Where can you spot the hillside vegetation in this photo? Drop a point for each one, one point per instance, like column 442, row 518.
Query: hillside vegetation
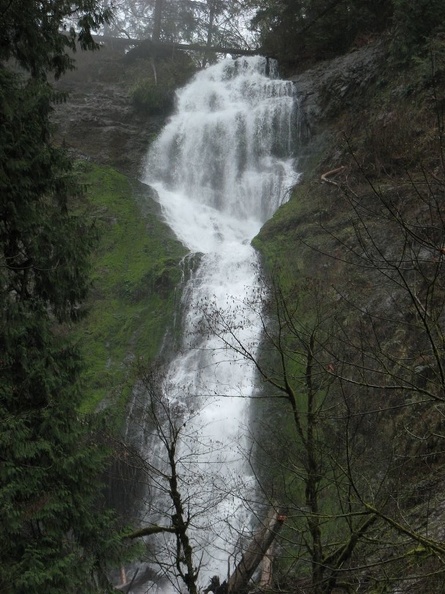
column 355, row 341
column 349, row 439
column 135, row 277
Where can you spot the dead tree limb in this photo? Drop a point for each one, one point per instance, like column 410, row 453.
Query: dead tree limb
column 149, row 530
column 256, row 550
column 325, row 176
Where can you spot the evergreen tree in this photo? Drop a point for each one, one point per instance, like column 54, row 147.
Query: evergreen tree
column 313, row 29
column 415, row 23
column 54, row 536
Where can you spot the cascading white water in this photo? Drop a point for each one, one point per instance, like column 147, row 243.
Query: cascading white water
column 221, row 167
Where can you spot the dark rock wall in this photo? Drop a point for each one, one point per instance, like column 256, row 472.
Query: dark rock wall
column 98, row 121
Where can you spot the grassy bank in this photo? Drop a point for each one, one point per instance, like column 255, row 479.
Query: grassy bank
column 135, row 277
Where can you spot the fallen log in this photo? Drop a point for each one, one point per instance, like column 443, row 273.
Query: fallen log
column 334, row 172
column 156, row 48
column 266, row 569
column 258, row 548
column 196, row 47
column 255, row 551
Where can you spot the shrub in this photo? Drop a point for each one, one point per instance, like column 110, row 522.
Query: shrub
column 149, row 97
column 155, row 93
column 414, row 24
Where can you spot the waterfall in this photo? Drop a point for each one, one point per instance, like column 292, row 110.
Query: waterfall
column 221, row 167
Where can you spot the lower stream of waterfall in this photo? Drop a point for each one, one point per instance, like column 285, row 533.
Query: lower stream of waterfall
column 221, row 167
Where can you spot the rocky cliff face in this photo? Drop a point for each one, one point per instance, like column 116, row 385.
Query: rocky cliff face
column 335, row 84
column 98, row 120
column 136, row 263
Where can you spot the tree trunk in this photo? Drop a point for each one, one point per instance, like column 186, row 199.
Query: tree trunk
column 211, row 5
column 266, row 569
column 157, row 20
column 255, row 552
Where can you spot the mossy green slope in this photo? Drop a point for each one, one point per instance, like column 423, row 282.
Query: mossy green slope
column 344, row 232
column 136, row 272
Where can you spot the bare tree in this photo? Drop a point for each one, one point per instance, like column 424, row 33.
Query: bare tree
column 394, row 348
column 168, row 509
column 202, row 22
column 339, row 462
column 188, row 503
column 349, row 416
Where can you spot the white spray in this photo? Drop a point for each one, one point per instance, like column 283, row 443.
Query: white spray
column 221, row 167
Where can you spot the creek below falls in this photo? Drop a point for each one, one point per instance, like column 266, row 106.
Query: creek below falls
column 222, row 165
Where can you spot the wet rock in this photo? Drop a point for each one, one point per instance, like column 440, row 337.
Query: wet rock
column 326, row 87
column 98, row 120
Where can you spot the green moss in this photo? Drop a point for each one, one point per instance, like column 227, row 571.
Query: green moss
column 386, row 150
column 295, row 244
column 135, row 275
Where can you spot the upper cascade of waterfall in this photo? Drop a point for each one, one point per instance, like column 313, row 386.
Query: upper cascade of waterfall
column 229, row 148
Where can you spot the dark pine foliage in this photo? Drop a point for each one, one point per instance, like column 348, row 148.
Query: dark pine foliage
column 298, row 31
column 54, row 535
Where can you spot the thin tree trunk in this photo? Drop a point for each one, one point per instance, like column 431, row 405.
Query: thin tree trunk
column 313, row 475
column 157, row 20
column 184, row 548
column 211, row 5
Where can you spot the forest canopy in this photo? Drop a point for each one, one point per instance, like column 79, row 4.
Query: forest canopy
column 292, row 31
column 320, row 29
